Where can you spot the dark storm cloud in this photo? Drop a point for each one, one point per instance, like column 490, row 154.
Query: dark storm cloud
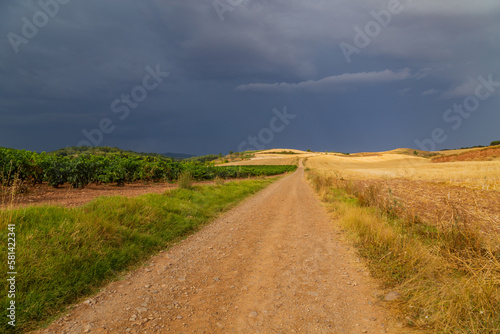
column 90, row 53
column 334, row 83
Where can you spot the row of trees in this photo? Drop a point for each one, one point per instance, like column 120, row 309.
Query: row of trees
column 81, row 170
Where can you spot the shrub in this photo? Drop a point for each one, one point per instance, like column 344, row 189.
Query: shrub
column 185, row 180
column 219, row 181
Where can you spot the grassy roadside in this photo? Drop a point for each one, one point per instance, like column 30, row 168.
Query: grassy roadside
column 64, row 254
column 447, row 273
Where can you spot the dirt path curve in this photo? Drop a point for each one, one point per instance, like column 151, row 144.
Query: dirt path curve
column 272, row 265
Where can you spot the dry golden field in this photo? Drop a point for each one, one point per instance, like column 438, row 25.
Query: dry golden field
column 268, row 158
column 436, row 192
column 394, row 164
column 481, row 175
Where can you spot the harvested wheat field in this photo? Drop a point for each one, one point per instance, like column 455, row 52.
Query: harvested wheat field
column 435, row 192
column 274, row 157
column 482, row 175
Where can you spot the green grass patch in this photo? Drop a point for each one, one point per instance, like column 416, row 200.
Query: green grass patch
column 65, row 254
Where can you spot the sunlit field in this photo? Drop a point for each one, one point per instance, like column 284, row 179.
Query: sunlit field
column 484, row 175
column 273, row 157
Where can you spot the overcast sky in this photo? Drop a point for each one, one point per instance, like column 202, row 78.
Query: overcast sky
column 198, row 76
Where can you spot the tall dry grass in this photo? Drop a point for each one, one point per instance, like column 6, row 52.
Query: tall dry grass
column 447, row 272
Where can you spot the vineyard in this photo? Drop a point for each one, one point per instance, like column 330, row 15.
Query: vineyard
column 82, row 170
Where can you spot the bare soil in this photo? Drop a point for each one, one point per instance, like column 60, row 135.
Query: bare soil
column 66, row 196
column 70, row 197
column 274, row 264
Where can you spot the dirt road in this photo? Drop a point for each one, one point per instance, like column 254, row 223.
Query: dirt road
column 272, row 265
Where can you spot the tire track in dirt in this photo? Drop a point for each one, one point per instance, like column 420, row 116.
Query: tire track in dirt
column 274, row 264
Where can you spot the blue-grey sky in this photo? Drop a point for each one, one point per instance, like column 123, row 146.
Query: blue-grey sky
column 205, row 76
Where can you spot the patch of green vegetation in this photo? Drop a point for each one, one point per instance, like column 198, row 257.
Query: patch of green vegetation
column 82, row 170
column 418, row 153
column 114, row 151
column 280, row 152
column 206, row 158
column 185, row 180
column 246, row 155
column 65, row 254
